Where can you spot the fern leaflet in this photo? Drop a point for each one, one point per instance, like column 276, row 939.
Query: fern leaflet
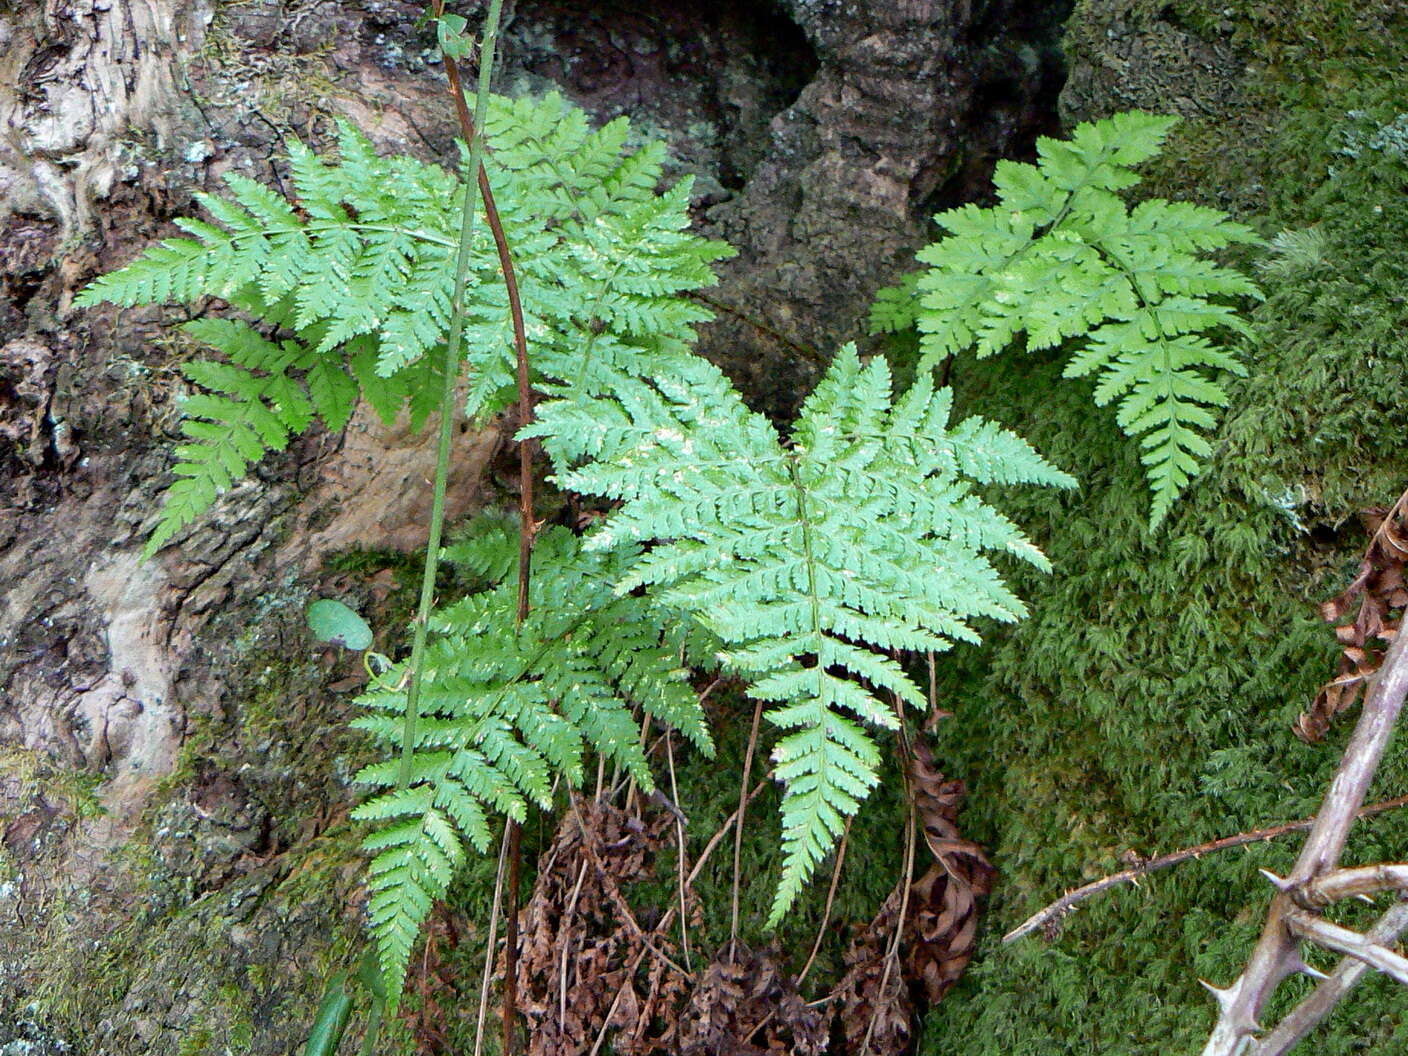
column 1062, row 258
column 506, row 708
column 252, row 404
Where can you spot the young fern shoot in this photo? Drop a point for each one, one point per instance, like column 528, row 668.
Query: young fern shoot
column 1062, row 258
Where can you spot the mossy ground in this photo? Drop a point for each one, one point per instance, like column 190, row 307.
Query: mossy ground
column 1146, row 704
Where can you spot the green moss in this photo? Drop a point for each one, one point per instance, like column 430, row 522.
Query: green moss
column 1147, row 702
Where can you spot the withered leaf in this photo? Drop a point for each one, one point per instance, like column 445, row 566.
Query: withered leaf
column 1378, row 590
column 582, row 966
column 745, row 1005
column 940, row 927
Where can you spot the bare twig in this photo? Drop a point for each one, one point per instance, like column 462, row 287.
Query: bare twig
column 892, row 954
column 566, row 929
column 743, row 799
column 512, row 837
column 723, row 831
column 1332, row 937
column 1063, row 905
column 830, row 904
column 1302, row 1019
column 1276, row 955
column 807, row 352
column 489, row 948
column 683, row 860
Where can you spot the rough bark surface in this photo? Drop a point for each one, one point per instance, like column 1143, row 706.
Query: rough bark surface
column 176, row 868
column 910, row 100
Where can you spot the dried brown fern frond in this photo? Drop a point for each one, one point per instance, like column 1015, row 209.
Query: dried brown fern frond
column 940, row 926
column 1378, row 589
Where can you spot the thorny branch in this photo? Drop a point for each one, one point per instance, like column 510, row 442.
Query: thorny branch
column 1302, row 1019
column 1352, row 883
column 1317, row 880
column 1050, row 916
column 1350, row 943
column 1277, row 952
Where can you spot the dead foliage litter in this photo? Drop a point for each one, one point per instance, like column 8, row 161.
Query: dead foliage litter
column 940, row 925
column 746, row 1005
column 585, row 965
column 590, row 974
column 1379, row 590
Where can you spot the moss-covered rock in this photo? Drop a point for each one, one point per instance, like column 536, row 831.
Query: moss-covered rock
column 1147, row 703
column 215, row 926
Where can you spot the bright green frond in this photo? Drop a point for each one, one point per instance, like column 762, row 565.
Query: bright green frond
column 811, row 562
column 1061, row 260
column 359, row 262
column 505, row 708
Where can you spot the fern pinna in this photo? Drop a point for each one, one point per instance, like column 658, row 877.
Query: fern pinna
column 358, row 267
column 505, row 710
column 1062, row 258
column 814, row 561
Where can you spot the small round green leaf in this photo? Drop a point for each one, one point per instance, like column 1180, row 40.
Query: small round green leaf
column 453, row 40
column 333, row 622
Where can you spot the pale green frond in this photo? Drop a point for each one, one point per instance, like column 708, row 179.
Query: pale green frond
column 810, row 561
column 359, row 262
column 1063, row 261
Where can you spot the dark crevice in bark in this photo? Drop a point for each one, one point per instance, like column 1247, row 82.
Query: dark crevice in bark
column 1016, row 71
column 711, row 77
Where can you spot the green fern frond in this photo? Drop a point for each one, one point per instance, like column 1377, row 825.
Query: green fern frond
column 896, row 307
column 810, row 562
column 504, row 710
column 249, row 406
column 1062, row 259
column 357, row 263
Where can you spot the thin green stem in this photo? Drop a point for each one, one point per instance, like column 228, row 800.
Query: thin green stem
column 447, row 396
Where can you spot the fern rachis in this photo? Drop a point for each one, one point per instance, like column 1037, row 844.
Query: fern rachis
column 505, row 709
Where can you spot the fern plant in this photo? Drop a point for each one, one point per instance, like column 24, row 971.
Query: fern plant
column 506, row 710
column 806, row 566
column 814, row 562
column 1062, row 258
column 358, row 267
